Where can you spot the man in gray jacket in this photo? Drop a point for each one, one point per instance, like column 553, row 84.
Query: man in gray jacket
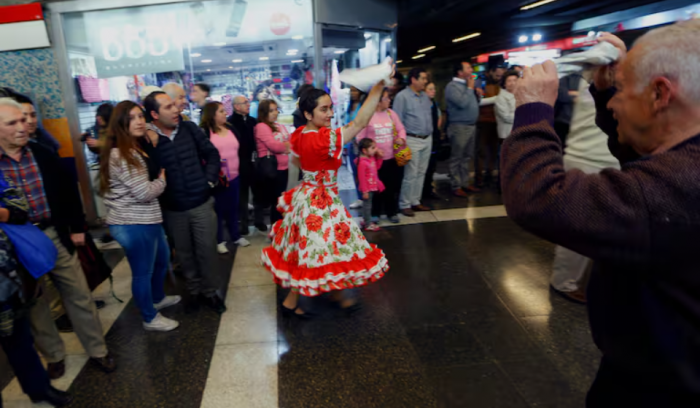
column 462, row 113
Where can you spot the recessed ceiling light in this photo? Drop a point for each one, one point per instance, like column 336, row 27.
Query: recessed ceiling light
column 418, row 56
column 537, row 4
column 206, row 61
column 237, row 60
column 297, row 61
column 466, row 37
column 230, row 67
column 387, row 40
column 399, row 61
column 522, row 39
column 340, row 52
column 432, row 47
column 292, row 51
column 195, row 55
column 537, row 37
column 208, row 70
column 219, row 44
column 264, row 58
column 297, row 37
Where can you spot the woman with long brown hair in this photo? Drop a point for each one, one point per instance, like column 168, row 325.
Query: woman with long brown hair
column 272, row 140
column 226, row 199
column 131, row 182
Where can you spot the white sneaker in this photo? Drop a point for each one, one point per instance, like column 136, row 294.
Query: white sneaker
column 167, row 302
column 242, row 242
column 161, row 323
column 221, row 248
column 357, row 204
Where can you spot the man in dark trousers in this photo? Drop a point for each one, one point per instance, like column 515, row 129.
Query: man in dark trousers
column 192, row 166
column 639, row 224
column 244, row 127
column 55, row 208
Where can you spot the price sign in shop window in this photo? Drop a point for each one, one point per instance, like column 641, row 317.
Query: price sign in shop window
column 134, row 41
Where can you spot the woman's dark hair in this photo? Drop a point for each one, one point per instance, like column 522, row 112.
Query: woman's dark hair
column 264, row 113
column 303, row 88
column 309, row 100
column 365, row 143
column 507, row 75
column 118, row 137
column 208, row 122
column 104, row 111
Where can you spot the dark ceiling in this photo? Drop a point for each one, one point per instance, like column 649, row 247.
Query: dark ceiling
column 424, row 23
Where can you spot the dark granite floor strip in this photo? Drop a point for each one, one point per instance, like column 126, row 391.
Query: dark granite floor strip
column 156, row 369
column 463, row 319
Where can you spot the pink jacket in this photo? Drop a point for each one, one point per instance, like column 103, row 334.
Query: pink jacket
column 381, row 130
column 367, row 174
column 266, row 141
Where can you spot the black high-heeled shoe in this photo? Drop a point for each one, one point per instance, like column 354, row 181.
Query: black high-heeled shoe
column 288, row 313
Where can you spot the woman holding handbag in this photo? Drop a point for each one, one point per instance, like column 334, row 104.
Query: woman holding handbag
column 272, row 164
column 227, row 195
column 388, row 132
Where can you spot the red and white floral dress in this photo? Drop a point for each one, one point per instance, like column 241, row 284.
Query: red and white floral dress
column 317, row 247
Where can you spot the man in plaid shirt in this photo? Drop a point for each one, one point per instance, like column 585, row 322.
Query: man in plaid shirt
column 54, row 207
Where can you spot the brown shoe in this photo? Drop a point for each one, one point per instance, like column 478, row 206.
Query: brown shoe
column 460, row 193
column 421, row 207
column 105, row 363
column 472, row 189
column 408, row 212
column 56, row 370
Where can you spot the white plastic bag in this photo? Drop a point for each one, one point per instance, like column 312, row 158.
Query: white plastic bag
column 365, row 78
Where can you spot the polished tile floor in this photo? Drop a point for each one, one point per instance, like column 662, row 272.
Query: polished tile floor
column 464, row 318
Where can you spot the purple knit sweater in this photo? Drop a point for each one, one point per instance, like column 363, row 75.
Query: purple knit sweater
column 641, row 226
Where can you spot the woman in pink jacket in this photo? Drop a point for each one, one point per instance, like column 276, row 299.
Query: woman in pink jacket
column 385, row 128
column 271, row 138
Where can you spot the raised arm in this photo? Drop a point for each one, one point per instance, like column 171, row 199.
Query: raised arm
column 365, row 114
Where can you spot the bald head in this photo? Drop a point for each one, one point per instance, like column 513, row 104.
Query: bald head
column 177, row 94
column 241, row 105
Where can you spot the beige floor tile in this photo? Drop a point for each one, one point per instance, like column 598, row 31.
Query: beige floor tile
column 470, row 213
column 253, row 327
column 242, row 376
column 250, row 276
column 251, row 299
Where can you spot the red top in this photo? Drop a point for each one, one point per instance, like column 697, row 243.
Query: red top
column 318, row 150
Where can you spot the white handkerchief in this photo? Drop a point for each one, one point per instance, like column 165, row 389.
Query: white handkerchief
column 365, row 78
column 602, row 53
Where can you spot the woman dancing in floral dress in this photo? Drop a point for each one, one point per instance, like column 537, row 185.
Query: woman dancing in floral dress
column 317, row 247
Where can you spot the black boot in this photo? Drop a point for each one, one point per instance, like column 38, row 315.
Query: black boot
column 214, row 302
column 55, row 397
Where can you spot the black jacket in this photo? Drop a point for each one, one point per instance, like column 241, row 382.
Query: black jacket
column 564, row 107
column 190, row 163
column 62, row 194
column 245, row 132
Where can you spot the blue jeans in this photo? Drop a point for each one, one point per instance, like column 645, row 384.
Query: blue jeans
column 149, row 257
column 226, row 205
column 24, row 360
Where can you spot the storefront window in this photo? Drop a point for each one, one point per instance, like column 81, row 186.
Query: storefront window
column 262, row 49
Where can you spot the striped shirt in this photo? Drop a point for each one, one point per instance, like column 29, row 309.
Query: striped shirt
column 25, row 174
column 132, row 198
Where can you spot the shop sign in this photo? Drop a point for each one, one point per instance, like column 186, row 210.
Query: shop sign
column 133, row 42
column 280, row 24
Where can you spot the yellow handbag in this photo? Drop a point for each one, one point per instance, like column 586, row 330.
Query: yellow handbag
column 402, row 154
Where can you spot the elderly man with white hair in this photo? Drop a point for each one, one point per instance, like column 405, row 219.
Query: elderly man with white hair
column 179, row 97
column 640, row 224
